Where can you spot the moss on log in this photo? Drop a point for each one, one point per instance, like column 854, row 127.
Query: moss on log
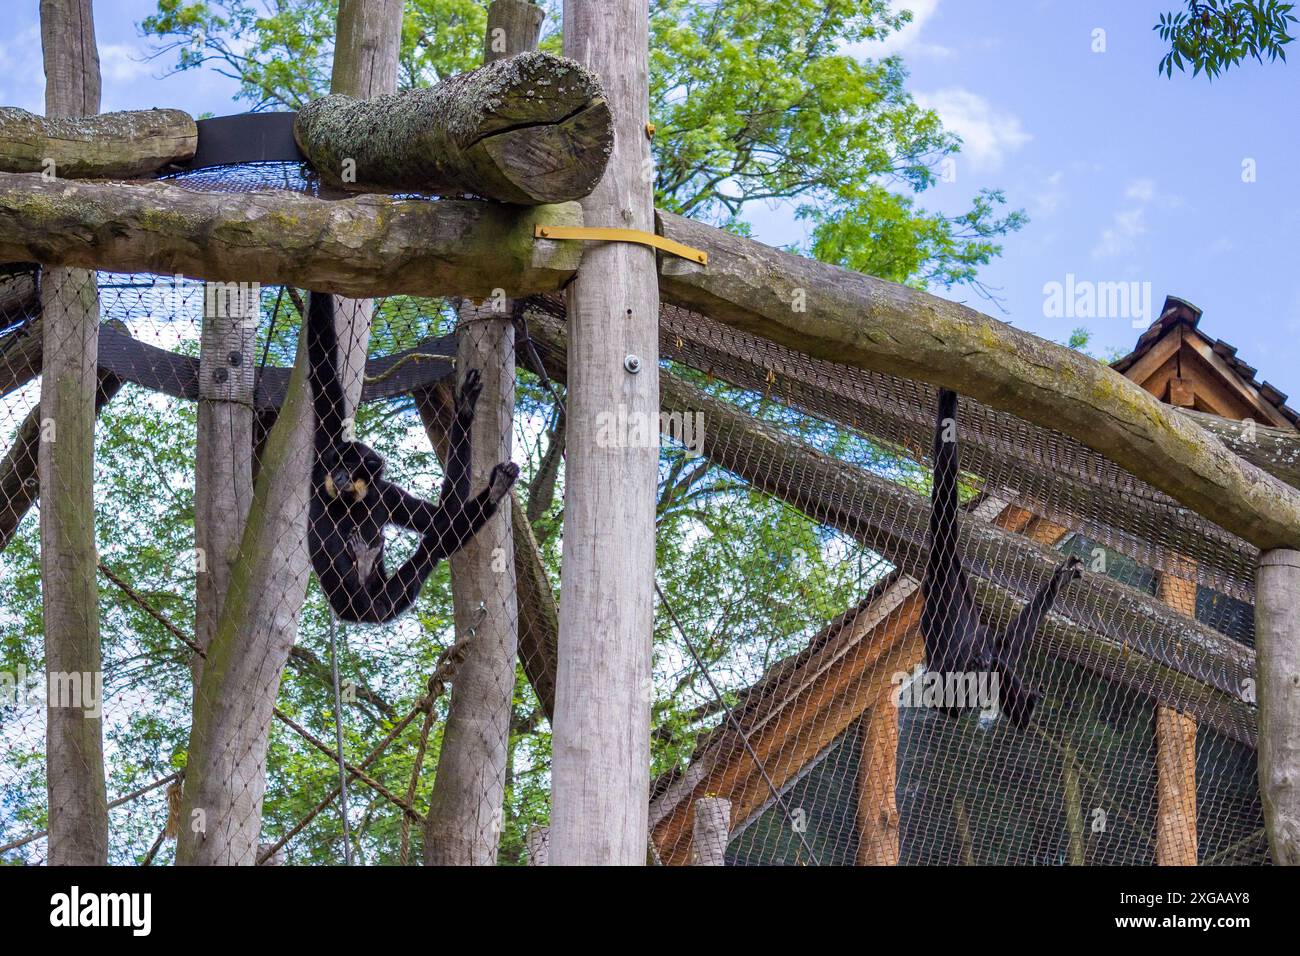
column 847, row 317
column 366, row 246
column 527, row 129
column 1276, row 450
column 122, row 145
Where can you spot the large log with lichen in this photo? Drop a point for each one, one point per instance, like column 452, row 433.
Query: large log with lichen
column 527, row 129
column 365, row 246
column 848, row 317
column 122, row 145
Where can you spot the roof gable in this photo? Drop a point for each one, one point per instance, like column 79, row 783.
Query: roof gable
column 1179, row 364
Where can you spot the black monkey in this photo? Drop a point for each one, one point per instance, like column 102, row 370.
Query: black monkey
column 955, row 640
column 352, row 503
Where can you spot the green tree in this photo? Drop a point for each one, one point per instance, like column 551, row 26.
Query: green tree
column 751, row 101
column 1212, row 35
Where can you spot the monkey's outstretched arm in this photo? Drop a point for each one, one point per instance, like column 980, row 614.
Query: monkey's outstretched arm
column 943, row 495
column 322, row 358
column 407, row 510
column 1026, row 623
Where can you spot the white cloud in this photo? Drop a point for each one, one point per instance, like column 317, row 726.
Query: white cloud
column 987, row 133
column 1143, row 190
column 907, row 40
column 119, row 63
column 1048, row 199
column 1120, row 236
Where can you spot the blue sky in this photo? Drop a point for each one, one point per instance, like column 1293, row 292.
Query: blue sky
column 1126, row 176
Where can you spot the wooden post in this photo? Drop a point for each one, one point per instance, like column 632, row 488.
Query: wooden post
column 367, row 41
column 223, row 465
column 78, row 804
column 601, row 741
column 466, row 807
column 1176, row 838
column 710, row 831
column 221, row 817
column 1077, row 853
column 538, row 846
column 877, row 778
column 1277, row 637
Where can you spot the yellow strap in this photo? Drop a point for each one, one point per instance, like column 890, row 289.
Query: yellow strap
column 622, row 235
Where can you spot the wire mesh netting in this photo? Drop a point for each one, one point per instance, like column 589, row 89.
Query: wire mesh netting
column 794, row 534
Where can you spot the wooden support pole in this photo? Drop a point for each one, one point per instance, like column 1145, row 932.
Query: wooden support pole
column 78, row 802
column 877, row 780
column 537, row 846
column 1277, row 635
column 1176, row 837
column 1072, row 790
column 601, row 740
column 226, row 776
column 467, row 804
column 710, row 831
column 223, row 464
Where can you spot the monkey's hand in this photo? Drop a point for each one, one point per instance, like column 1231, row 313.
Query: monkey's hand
column 501, row 480
column 1071, row 570
column 469, row 393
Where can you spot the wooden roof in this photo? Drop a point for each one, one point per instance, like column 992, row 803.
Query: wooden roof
column 1179, row 364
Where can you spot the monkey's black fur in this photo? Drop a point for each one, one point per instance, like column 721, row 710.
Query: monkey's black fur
column 352, row 503
column 955, row 640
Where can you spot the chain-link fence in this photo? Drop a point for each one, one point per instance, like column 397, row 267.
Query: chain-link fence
column 250, row 712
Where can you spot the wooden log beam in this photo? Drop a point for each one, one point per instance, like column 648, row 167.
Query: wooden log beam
column 528, row 129
column 18, row 298
column 1276, row 450
column 125, row 145
column 858, row 320
column 367, row 246
column 1060, row 476
column 20, row 356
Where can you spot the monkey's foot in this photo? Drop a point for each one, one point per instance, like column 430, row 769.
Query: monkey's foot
column 501, row 480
